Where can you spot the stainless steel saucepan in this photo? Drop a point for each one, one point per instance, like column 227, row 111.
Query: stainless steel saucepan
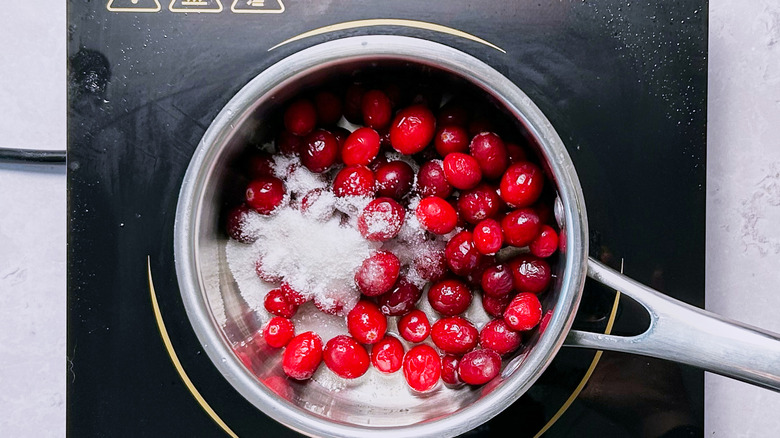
column 221, row 317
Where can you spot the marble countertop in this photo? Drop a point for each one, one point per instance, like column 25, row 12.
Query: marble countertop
column 743, row 210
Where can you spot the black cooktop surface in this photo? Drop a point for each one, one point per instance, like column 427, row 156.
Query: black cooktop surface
column 624, row 84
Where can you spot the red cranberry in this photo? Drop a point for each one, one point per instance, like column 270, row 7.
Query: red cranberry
column 454, row 335
column 461, row 254
column 430, row 264
column 366, row 322
column 394, row 179
column 545, row 211
column 378, row 273
column 401, row 298
column 546, row 243
column 422, row 367
column 292, row 295
column 452, row 114
column 353, row 104
column 259, row 165
column 521, row 227
column 355, row 180
column 288, row 143
column 515, row 153
column 499, row 337
column 361, row 147
column 495, row 306
column 381, row 219
column 278, row 332
column 522, row 184
column 302, row 356
column 332, row 305
column 449, row 369
column 264, row 274
column 341, row 135
column 278, row 304
column 300, row 117
column 449, row 297
column 491, row 154
column 488, row 237
column 479, row 366
column 431, row 180
column 387, row 355
column 319, row 150
column 328, row 107
column 377, row 109
column 530, row 273
column 346, row 357
column 479, row 203
column 462, row 171
column 497, row 281
column 265, row 194
column 412, row 129
column 451, row 139
column 414, row 326
column 524, row 312
column 236, row 219
column 436, row 215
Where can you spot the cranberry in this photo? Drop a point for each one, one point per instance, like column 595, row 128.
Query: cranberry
column 522, row 184
column 292, row 295
column 412, row 129
column 278, row 332
column 328, row 107
column 449, row 369
column 530, row 273
column 462, row 170
column 265, row 194
column 378, row 273
column 451, row 139
column 431, row 180
column 360, row 147
column 355, row 180
column 264, row 274
column 488, row 237
column 302, row 356
column 387, row 354
column 479, row 366
column 300, row 118
column 521, row 226
column 546, row 243
column 394, row 179
column 414, row 326
column 495, row 306
column 422, row 367
column 449, row 297
column 401, row 298
column 377, row 109
column 341, row 135
column 545, row 211
column 332, row 305
column 524, row 312
column 366, row 323
column 381, row 219
column 499, row 337
column 353, row 103
column 288, row 143
column 430, row 264
column 278, row 304
column 515, row 153
column 461, row 254
column 436, row 215
column 346, row 357
column 454, row 335
column 491, row 154
column 236, row 219
column 453, row 114
column 319, row 150
column 260, row 165
column 497, row 281
column 479, row 203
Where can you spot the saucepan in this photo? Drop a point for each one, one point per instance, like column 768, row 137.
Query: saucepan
column 222, row 318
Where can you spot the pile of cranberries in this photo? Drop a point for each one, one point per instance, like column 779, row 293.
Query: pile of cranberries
column 474, row 186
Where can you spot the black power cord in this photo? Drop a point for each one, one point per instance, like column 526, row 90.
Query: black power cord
column 29, row 156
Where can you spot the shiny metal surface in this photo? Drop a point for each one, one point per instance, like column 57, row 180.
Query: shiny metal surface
column 687, row 334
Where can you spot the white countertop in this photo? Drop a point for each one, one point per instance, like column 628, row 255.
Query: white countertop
column 743, row 210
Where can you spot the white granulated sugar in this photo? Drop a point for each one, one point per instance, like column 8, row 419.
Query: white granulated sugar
column 241, row 259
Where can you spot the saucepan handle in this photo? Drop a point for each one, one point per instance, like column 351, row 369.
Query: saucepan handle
column 683, row 333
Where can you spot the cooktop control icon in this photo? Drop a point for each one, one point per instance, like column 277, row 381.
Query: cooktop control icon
column 212, row 6
column 257, row 6
column 133, row 6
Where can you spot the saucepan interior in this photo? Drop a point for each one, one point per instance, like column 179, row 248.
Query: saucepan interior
column 223, row 318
